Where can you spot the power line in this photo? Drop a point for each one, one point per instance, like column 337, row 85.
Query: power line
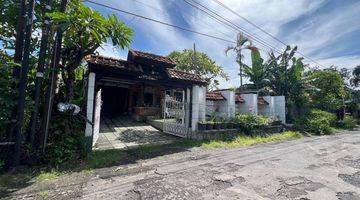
column 188, row 14
column 160, row 22
column 261, row 29
column 227, row 22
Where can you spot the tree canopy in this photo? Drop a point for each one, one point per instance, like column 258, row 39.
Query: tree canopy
column 84, row 31
column 199, row 63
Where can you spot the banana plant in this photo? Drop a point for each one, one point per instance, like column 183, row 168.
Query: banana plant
column 258, row 72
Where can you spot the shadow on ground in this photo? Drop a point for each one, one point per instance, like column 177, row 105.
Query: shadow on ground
column 28, row 176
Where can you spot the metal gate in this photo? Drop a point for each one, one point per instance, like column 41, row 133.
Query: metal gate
column 175, row 122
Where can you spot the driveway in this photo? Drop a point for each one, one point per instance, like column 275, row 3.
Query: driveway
column 126, row 133
column 326, row 167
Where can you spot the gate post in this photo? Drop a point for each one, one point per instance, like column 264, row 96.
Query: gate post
column 89, row 111
column 187, row 114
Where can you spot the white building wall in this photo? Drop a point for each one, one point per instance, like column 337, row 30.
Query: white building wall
column 279, row 108
column 250, row 104
column 268, row 109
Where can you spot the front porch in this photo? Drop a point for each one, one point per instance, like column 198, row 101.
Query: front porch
column 125, row 133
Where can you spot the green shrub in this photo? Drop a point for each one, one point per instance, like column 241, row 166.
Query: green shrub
column 316, row 121
column 66, row 141
column 251, row 123
column 348, row 123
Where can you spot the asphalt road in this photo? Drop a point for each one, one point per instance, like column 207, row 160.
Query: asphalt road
column 326, row 167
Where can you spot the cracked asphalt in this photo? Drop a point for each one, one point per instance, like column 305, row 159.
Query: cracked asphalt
column 326, row 167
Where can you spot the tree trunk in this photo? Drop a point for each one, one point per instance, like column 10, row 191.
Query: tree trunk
column 23, row 82
column 40, row 69
column 19, row 46
column 70, row 85
column 43, row 134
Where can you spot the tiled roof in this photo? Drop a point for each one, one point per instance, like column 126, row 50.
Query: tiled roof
column 113, row 62
column 262, row 101
column 180, row 75
column 214, row 96
column 239, row 99
column 151, row 56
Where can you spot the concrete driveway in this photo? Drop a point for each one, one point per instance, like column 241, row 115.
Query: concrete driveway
column 326, row 167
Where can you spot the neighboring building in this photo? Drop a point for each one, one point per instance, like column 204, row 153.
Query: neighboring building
column 230, row 102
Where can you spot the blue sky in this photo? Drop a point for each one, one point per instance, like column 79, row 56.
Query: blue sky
column 327, row 31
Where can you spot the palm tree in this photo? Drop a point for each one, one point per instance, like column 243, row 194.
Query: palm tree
column 242, row 42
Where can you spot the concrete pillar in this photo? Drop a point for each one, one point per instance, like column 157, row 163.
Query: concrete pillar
column 269, row 108
column 250, row 104
column 279, row 108
column 198, row 105
column 90, row 110
column 228, row 106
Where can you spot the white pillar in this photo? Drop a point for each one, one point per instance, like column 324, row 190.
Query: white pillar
column 268, row 109
column 228, row 106
column 250, row 104
column 90, row 105
column 198, row 105
column 279, row 108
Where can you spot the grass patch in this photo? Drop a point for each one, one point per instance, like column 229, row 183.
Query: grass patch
column 243, row 140
column 44, row 194
column 104, row 158
column 48, row 176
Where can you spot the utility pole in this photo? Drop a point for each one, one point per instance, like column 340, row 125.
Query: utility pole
column 23, row 82
column 19, row 47
column 240, row 65
column 55, row 62
column 194, row 57
column 40, row 69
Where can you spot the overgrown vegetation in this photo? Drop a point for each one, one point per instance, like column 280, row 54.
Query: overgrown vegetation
column 250, row 123
column 316, row 121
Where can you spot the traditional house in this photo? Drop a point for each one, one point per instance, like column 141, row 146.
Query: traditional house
column 143, row 85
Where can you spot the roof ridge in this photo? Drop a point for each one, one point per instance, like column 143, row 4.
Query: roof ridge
column 136, row 53
column 102, row 56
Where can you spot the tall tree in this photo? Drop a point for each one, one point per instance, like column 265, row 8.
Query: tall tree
column 204, row 66
column 19, row 46
column 45, row 31
column 23, row 81
column 242, row 42
column 54, row 65
column 330, row 91
column 85, row 30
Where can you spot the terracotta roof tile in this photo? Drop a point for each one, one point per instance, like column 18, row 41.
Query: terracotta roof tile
column 214, row 96
column 239, row 99
column 113, row 62
column 177, row 74
column 154, row 57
